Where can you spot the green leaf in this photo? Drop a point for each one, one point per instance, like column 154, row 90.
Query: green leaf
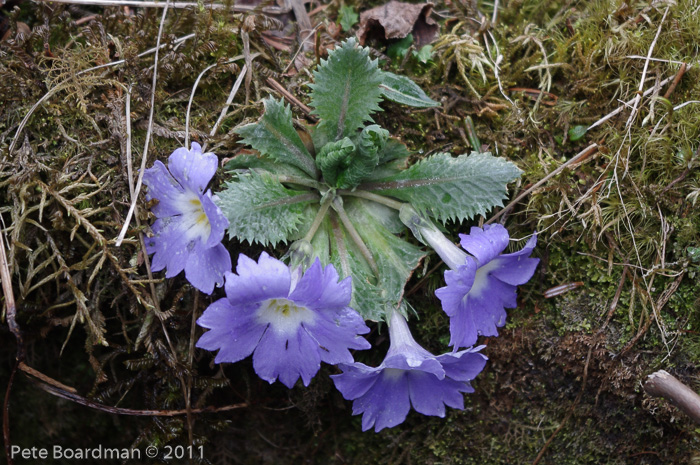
column 395, row 258
column 448, row 187
column 577, row 132
column 402, row 90
column 393, row 150
column 334, row 161
column 345, row 164
column 399, row 48
column 373, row 296
column 247, row 161
column 346, row 91
column 424, row 54
column 260, row 209
column 274, row 136
column 347, row 17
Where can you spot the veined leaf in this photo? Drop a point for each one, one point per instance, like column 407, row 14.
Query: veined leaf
column 347, row 17
column 274, row 136
column 448, row 187
column 260, row 209
column 402, row 90
column 346, row 91
column 373, row 296
column 247, row 161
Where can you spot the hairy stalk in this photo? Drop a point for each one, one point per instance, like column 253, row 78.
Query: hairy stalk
column 301, row 181
column 319, row 218
column 396, row 205
column 338, row 207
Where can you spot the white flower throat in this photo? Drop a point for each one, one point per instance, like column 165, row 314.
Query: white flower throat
column 195, row 220
column 284, row 315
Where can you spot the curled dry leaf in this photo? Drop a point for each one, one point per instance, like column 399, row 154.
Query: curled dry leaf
column 7, row 33
column 396, row 20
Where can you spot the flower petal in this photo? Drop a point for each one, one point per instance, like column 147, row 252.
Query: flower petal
column 480, row 313
column 192, row 168
column 459, row 283
column 464, row 365
column 288, row 358
column 516, row 268
column 320, row 290
column 206, row 267
column 267, row 278
column 429, row 394
column 170, row 246
column 335, row 336
column 217, row 220
column 162, row 186
column 233, row 330
column 355, row 380
column 485, row 244
column 386, row 403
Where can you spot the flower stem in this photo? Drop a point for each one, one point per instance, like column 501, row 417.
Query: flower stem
column 319, row 218
column 374, row 197
column 338, row 207
column 301, row 181
column 425, row 231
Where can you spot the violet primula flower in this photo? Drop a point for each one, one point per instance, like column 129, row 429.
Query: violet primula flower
column 290, row 323
column 480, row 289
column 408, row 376
column 188, row 231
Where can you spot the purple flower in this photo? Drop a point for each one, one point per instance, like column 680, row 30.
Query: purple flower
column 290, row 323
column 480, row 289
column 408, row 376
column 188, row 231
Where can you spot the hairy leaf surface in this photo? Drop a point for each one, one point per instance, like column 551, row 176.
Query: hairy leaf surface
column 401, row 89
column 346, row 91
column 448, row 187
column 274, row 136
column 373, row 296
column 260, row 209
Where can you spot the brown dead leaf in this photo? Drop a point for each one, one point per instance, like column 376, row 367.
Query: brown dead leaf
column 396, row 20
column 8, row 33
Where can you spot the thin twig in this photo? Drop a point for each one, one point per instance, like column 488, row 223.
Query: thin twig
column 144, row 154
column 582, row 155
column 175, row 43
column 663, row 384
column 190, row 358
column 10, row 306
column 616, row 298
column 189, row 104
column 290, row 98
column 10, row 315
column 657, row 307
column 676, row 80
column 55, row 389
column 301, row 47
column 628, row 103
column 6, row 417
column 638, row 97
column 229, row 100
column 60, row 86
